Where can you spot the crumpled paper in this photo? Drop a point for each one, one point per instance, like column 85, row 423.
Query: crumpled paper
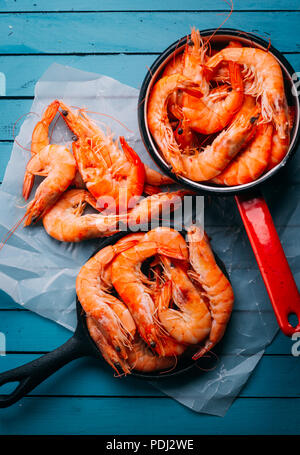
column 39, row 272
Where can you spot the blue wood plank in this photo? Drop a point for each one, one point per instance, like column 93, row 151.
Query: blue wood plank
column 23, row 72
column 134, row 32
column 35, row 415
column 145, row 5
column 26, row 331
column 89, row 377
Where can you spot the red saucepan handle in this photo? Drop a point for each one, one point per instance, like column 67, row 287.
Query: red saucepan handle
column 271, row 260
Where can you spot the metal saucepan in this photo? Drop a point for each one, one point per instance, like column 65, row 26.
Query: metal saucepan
column 79, row 345
column 253, row 209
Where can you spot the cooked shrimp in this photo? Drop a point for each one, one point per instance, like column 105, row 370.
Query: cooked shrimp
column 122, row 180
column 190, row 322
column 252, row 161
column 216, row 286
column 66, row 222
column 211, row 114
column 155, row 178
column 268, row 82
column 280, row 146
column 40, row 139
column 157, row 116
column 141, row 358
column 214, row 158
column 92, row 288
column 57, row 164
column 127, row 280
column 107, row 350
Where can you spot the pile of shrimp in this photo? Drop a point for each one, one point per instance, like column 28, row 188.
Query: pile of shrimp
column 220, row 115
column 152, row 297
column 100, row 172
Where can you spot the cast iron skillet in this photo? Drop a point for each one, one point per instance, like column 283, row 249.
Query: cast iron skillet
column 253, row 209
column 79, row 345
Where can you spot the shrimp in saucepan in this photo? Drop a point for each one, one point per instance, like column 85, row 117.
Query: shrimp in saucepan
column 128, row 282
column 66, row 222
column 92, row 288
column 216, row 286
column 57, row 164
column 40, row 139
column 267, row 82
column 280, row 146
column 214, row 158
column 190, row 322
column 252, row 161
column 213, row 112
column 158, row 120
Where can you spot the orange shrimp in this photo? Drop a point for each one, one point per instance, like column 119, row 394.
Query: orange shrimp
column 190, row 322
column 213, row 159
column 155, row 178
column 126, row 278
column 280, row 146
column 65, row 220
column 57, row 164
column 40, row 139
column 107, row 171
column 122, row 180
column 141, row 358
column 267, row 82
column 252, row 161
column 210, row 114
column 216, row 286
column 108, row 352
column 92, row 288
column 157, row 115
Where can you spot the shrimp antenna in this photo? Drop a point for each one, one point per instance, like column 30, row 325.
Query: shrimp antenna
column 11, row 232
column 14, row 126
column 230, row 4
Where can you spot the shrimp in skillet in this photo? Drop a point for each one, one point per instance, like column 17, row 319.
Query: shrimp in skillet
column 216, row 286
column 40, row 139
column 190, row 322
column 57, row 164
column 92, row 288
column 128, row 282
column 66, row 222
column 142, row 358
column 267, row 82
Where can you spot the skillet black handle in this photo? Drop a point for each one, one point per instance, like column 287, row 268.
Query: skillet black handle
column 33, row 373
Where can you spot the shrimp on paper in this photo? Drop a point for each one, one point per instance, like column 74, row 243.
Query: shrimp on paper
column 214, row 283
column 127, row 279
column 107, row 170
column 40, row 139
column 57, row 164
column 66, row 222
column 267, row 82
column 190, row 321
column 93, row 291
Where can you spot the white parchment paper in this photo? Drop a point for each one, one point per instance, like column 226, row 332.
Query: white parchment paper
column 39, row 273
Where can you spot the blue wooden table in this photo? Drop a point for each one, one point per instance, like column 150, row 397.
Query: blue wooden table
column 120, row 38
